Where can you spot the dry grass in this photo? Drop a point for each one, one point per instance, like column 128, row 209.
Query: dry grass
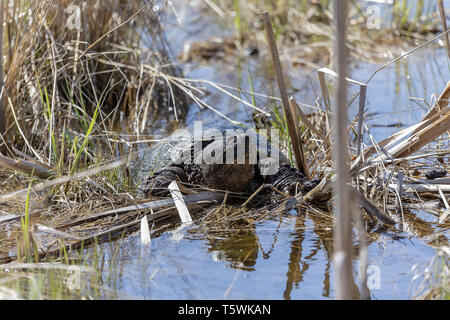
column 72, row 71
column 50, row 72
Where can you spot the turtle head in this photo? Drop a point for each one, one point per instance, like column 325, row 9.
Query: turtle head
column 232, row 177
column 227, row 163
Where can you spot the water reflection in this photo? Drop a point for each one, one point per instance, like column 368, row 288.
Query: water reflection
column 299, row 263
column 240, row 250
column 295, row 271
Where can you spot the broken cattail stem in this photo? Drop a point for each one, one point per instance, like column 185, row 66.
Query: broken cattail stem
column 297, row 145
column 323, row 88
column 362, row 102
column 295, row 114
column 439, row 126
column 309, row 125
column 325, row 97
column 444, row 24
column 407, row 141
column 295, row 139
column 440, row 104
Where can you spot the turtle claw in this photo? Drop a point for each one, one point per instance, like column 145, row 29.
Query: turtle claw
column 308, row 185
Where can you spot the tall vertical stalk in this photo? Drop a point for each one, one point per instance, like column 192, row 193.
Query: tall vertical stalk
column 295, row 140
column 444, row 25
column 2, row 89
column 238, row 20
column 343, row 229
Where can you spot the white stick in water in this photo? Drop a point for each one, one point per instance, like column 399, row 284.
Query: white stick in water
column 145, row 231
column 179, row 203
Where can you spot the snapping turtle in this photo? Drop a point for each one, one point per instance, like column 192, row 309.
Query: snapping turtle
column 225, row 158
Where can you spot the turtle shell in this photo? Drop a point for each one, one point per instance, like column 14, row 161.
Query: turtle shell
column 214, row 146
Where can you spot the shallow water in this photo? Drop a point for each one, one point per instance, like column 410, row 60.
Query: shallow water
column 273, row 262
column 285, row 257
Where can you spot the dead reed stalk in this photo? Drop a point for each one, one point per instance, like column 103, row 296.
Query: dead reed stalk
column 343, row 205
column 444, row 25
column 2, row 91
column 290, row 121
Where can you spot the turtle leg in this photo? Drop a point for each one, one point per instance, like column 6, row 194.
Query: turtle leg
column 286, row 180
column 289, row 180
column 159, row 181
column 308, row 185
